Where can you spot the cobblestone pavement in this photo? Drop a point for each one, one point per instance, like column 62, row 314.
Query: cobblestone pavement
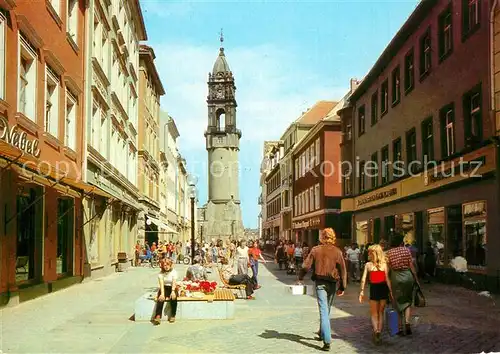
column 93, row 317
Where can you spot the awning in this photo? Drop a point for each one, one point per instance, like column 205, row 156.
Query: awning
column 21, row 162
column 153, row 220
column 168, row 229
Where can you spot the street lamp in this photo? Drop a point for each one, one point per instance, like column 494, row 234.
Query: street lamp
column 192, row 195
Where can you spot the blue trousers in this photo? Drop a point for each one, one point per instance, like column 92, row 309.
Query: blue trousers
column 255, row 270
column 325, row 294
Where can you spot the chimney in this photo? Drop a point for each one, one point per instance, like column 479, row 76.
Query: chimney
column 354, row 84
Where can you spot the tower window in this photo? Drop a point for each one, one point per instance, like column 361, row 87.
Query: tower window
column 221, row 120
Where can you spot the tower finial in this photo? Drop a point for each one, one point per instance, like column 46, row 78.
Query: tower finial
column 221, row 37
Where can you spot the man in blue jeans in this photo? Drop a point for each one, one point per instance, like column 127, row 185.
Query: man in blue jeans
column 329, row 268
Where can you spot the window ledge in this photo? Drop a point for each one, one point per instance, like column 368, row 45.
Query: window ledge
column 53, row 13
column 383, row 113
column 72, row 42
column 70, row 153
column 424, row 75
column 27, row 123
column 409, row 89
column 470, row 32
column 444, row 56
column 4, row 106
column 396, row 102
column 52, row 140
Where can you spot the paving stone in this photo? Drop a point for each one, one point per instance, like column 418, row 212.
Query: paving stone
column 93, row 317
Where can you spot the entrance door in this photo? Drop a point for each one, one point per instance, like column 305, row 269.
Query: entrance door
column 29, row 238
column 65, row 235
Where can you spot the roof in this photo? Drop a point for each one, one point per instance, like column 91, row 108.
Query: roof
column 147, row 54
column 220, row 64
column 409, row 27
column 141, row 27
column 316, row 112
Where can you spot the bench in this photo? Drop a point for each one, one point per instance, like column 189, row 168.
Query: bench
column 219, row 306
column 241, row 288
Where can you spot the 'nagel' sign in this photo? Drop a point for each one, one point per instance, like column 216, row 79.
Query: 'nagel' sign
column 18, row 138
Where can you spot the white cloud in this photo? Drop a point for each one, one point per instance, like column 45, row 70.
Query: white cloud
column 273, row 88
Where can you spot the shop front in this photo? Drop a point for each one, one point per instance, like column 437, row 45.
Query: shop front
column 272, row 228
column 454, row 213
column 42, row 248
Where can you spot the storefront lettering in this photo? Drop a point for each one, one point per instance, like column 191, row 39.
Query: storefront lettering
column 305, row 224
column 460, row 169
column 377, row 196
column 18, row 138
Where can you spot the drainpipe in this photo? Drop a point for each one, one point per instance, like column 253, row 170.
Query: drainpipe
column 496, row 138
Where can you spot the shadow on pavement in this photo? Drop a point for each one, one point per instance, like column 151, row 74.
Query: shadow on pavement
column 454, row 321
column 272, row 334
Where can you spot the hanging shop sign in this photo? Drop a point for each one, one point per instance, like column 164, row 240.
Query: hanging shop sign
column 18, row 138
column 313, row 222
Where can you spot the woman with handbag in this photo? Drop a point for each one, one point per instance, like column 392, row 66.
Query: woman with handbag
column 377, row 271
column 403, row 277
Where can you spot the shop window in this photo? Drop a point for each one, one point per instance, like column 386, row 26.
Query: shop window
column 436, row 234
column 454, row 237
column 376, row 230
column 362, row 232
column 389, row 226
column 65, row 227
column 28, row 265
column 474, row 218
column 405, row 225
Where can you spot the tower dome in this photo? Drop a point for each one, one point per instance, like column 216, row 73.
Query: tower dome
column 221, row 65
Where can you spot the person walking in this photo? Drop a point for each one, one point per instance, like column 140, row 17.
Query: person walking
column 255, row 256
column 353, row 258
column 280, row 255
column 242, row 258
column 330, row 277
column 377, row 272
column 403, row 277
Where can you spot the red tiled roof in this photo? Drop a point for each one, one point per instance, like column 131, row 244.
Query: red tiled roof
column 316, row 112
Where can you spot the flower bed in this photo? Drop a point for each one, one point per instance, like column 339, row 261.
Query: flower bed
column 187, row 287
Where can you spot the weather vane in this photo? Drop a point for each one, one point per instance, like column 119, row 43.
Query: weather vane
column 221, row 37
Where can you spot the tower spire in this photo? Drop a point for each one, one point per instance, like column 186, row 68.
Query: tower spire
column 221, row 39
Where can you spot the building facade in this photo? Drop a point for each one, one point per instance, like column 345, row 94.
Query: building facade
column 317, row 181
column 112, row 77
column 272, row 225
column 223, row 212
column 422, row 117
column 265, row 228
column 41, row 147
column 150, row 91
column 168, row 177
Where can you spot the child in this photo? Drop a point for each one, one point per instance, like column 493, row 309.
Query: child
column 380, row 287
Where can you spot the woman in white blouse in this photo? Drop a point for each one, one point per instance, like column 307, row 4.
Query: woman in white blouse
column 167, row 280
column 242, row 257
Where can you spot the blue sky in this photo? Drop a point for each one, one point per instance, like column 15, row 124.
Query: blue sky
column 285, row 56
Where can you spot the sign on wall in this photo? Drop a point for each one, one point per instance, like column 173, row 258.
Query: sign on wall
column 18, row 138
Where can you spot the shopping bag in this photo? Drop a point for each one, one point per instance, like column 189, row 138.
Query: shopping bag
column 392, row 321
column 418, row 296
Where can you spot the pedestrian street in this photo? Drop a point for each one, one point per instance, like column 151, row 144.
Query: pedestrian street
column 94, row 317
